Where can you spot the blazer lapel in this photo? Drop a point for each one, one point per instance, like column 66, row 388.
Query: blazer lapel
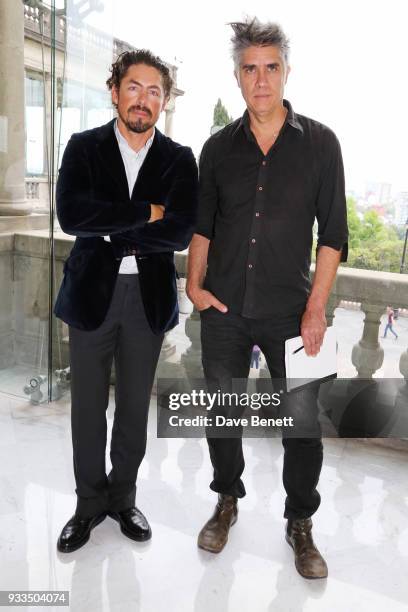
column 109, row 153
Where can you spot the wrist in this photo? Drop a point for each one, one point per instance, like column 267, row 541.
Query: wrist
column 316, row 305
column 192, row 287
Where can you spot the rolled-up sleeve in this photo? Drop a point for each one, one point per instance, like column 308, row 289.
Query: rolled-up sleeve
column 331, row 208
column 207, row 193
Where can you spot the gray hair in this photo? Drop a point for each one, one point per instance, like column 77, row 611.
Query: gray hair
column 253, row 33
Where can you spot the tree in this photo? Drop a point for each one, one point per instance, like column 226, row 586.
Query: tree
column 372, row 244
column 221, row 116
column 354, row 224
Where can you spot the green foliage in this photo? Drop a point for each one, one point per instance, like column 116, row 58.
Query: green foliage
column 221, row 116
column 354, row 224
column 372, row 245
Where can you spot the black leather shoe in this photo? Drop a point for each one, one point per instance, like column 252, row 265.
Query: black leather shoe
column 77, row 531
column 133, row 524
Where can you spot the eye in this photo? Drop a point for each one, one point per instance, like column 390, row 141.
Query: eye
column 154, row 92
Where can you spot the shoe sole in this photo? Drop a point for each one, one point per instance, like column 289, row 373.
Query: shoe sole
column 69, row 549
column 129, row 535
column 299, row 572
column 225, row 543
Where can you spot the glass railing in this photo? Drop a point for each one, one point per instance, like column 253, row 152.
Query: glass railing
column 56, row 57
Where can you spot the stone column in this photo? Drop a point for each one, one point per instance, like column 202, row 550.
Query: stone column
column 12, row 111
column 169, row 110
column 168, row 125
column 367, row 355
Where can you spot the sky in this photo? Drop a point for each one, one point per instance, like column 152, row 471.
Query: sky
column 348, row 69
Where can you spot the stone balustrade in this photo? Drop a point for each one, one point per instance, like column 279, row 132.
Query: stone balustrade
column 24, row 274
column 373, row 290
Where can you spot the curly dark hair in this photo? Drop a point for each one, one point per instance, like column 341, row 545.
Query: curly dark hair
column 139, row 56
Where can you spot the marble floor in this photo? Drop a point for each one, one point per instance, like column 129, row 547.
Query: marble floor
column 361, row 527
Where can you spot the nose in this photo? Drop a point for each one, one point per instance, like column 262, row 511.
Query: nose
column 261, row 77
column 141, row 97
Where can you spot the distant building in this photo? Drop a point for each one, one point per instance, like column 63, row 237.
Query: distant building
column 378, row 194
column 53, row 84
column 401, row 208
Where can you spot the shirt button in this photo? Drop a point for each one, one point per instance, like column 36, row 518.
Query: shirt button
column 264, row 163
column 260, row 188
column 253, row 240
column 250, row 266
column 257, row 214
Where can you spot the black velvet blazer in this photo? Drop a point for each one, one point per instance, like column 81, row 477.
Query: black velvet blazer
column 93, row 201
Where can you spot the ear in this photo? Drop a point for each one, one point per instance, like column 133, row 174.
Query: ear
column 115, row 95
column 287, row 74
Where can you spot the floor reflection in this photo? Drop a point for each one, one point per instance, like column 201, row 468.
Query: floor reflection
column 361, row 526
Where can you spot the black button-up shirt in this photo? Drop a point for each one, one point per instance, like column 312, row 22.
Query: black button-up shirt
column 258, row 212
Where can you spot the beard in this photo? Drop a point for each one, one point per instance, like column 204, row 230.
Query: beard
column 140, row 125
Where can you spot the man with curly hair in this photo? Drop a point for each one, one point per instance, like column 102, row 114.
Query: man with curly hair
column 128, row 193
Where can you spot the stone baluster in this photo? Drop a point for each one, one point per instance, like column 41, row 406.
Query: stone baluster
column 368, row 355
column 331, row 306
column 168, row 348
column 191, row 358
column 403, row 365
column 169, row 115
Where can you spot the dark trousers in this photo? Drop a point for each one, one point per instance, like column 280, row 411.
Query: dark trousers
column 227, row 342
column 255, row 360
column 125, row 337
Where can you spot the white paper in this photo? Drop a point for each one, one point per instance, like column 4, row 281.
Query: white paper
column 301, row 368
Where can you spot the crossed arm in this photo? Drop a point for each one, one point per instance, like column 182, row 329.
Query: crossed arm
column 82, row 212
column 174, row 231
column 140, row 225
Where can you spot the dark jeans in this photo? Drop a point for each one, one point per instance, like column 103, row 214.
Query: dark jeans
column 125, row 337
column 227, row 342
column 255, row 360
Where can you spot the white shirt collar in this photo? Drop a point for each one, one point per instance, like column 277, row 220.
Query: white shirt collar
column 124, row 145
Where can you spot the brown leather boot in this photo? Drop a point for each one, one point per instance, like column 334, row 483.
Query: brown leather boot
column 309, row 562
column 214, row 535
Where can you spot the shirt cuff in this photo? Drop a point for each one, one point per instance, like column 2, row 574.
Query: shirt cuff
column 202, row 232
column 337, row 246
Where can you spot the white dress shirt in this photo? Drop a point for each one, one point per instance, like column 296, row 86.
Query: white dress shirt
column 132, row 161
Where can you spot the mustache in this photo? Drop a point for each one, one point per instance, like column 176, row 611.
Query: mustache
column 144, row 109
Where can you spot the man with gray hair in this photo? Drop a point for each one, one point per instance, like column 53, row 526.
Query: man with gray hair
column 264, row 179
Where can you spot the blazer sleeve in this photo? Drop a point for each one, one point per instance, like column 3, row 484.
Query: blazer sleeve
column 80, row 211
column 175, row 230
